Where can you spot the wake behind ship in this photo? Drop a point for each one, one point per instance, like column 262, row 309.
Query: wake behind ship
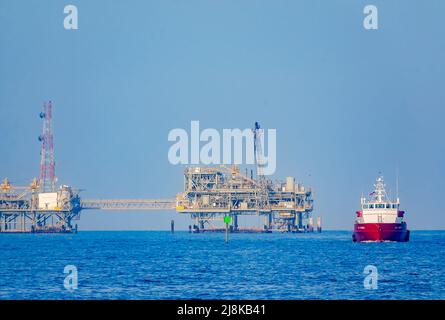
column 380, row 218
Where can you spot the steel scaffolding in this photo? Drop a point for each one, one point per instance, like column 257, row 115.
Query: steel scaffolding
column 24, row 209
column 212, row 193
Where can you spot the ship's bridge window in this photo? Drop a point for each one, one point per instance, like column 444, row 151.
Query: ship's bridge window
column 388, row 206
column 380, row 206
column 394, row 206
column 371, row 206
column 365, row 206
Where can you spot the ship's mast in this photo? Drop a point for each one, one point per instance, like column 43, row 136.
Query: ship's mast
column 397, row 186
column 379, row 191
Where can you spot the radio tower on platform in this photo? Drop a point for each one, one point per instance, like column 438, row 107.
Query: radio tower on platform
column 47, row 179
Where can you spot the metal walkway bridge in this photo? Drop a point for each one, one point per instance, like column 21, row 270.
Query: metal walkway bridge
column 129, row 204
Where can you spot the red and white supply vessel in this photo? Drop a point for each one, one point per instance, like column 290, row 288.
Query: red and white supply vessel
column 380, row 218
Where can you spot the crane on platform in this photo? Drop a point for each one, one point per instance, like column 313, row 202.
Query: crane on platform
column 258, row 136
column 258, row 149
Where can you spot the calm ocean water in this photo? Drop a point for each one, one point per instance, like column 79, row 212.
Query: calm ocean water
column 161, row 265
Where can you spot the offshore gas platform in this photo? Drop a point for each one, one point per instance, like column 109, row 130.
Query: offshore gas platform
column 209, row 195
column 213, row 193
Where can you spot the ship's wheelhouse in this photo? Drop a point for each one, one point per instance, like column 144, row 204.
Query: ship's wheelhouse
column 380, row 206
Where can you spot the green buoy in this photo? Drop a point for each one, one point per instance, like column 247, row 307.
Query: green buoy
column 227, row 220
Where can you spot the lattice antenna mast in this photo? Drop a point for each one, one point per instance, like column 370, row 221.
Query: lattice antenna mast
column 47, row 179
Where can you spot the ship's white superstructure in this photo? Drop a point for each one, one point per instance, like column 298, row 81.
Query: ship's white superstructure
column 378, row 208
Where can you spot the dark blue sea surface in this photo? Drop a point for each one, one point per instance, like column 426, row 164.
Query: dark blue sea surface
column 161, row 265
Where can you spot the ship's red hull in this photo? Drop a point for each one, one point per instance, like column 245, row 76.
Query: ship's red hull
column 380, row 232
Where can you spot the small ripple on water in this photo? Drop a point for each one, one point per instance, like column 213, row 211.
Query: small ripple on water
column 157, row 265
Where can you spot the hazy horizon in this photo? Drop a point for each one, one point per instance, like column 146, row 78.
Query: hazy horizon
column 347, row 103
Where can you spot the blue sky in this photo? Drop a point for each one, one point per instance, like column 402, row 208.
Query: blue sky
column 346, row 102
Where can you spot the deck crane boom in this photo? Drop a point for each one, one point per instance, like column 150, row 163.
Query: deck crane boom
column 263, row 199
